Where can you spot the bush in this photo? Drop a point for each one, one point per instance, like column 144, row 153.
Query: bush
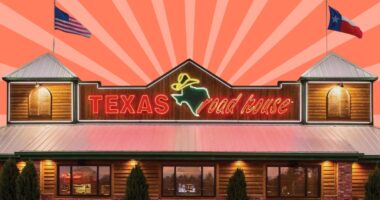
column 137, row 188
column 237, row 187
column 8, row 180
column 27, row 186
column 372, row 187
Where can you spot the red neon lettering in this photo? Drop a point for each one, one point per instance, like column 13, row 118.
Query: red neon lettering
column 162, row 104
column 213, row 105
column 284, row 106
column 111, row 104
column 273, row 109
column 94, row 99
column 250, row 101
column 203, row 105
column 222, row 105
column 256, row 108
column 127, row 104
column 144, row 105
column 232, row 104
column 266, row 106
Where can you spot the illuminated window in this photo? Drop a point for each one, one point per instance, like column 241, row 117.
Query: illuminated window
column 338, row 103
column 40, row 102
column 293, row 182
column 84, row 180
column 188, row 181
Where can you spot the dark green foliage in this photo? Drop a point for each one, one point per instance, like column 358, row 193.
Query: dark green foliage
column 137, row 188
column 8, row 178
column 237, row 187
column 372, row 187
column 27, row 186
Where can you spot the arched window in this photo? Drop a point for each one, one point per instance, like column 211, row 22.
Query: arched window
column 40, row 102
column 338, row 104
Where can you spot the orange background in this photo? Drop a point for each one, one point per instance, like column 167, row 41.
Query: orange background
column 246, row 42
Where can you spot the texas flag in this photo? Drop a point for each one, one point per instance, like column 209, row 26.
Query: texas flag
column 342, row 24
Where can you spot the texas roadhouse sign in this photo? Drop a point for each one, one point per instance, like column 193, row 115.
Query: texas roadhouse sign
column 191, row 93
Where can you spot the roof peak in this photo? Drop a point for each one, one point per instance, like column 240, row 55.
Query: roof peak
column 43, row 68
column 335, row 67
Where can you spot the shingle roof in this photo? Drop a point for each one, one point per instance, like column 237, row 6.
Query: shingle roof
column 200, row 138
column 334, row 67
column 45, row 67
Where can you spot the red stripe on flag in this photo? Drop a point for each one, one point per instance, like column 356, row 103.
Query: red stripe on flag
column 348, row 28
column 68, row 24
column 60, row 24
column 70, row 30
column 72, row 24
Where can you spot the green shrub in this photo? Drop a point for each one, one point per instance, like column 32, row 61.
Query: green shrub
column 237, row 187
column 137, row 188
column 8, row 178
column 27, row 186
column 372, row 187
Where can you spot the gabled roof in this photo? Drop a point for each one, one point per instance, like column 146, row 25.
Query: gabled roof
column 190, row 139
column 334, row 67
column 44, row 68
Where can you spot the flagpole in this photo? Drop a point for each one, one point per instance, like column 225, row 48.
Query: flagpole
column 54, row 29
column 326, row 28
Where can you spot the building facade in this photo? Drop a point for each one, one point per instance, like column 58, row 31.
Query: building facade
column 190, row 130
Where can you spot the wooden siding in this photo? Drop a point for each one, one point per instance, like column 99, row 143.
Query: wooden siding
column 329, row 178
column 254, row 172
column 360, row 101
column 152, row 171
column 48, row 180
column 61, row 101
column 254, row 176
column 360, row 174
column 216, row 90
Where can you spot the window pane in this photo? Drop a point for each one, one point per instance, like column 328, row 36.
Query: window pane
column 292, row 181
column 272, row 181
column 208, row 181
column 313, row 182
column 64, row 180
column 104, row 180
column 188, row 181
column 84, row 180
column 168, row 181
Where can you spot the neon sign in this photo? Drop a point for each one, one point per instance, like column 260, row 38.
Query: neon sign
column 193, row 97
column 189, row 93
column 123, row 104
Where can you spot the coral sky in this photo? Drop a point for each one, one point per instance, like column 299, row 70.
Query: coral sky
column 246, row 42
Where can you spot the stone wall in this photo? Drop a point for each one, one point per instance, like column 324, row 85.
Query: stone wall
column 344, row 181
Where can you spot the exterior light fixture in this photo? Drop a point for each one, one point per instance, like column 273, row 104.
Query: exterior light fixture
column 133, row 163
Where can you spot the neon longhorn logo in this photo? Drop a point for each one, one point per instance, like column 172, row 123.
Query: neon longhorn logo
column 191, row 96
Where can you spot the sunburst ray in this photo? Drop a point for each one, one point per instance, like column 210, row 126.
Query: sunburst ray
column 82, row 14
column 254, row 11
column 335, row 39
column 22, row 26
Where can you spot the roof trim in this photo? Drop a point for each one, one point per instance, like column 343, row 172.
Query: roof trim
column 337, row 79
column 331, row 54
column 39, row 79
column 354, row 156
column 73, row 76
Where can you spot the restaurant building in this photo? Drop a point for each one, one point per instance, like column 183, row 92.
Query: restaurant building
column 312, row 138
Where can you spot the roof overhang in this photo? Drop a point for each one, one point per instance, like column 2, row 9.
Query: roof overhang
column 36, row 79
column 338, row 78
column 296, row 156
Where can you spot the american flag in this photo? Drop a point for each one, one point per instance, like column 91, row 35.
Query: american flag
column 66, row 23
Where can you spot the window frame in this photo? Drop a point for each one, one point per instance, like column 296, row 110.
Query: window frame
column 347, row 92
column 305, row 168
column 71, row 181
column 30, row 102
column 175, row 181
